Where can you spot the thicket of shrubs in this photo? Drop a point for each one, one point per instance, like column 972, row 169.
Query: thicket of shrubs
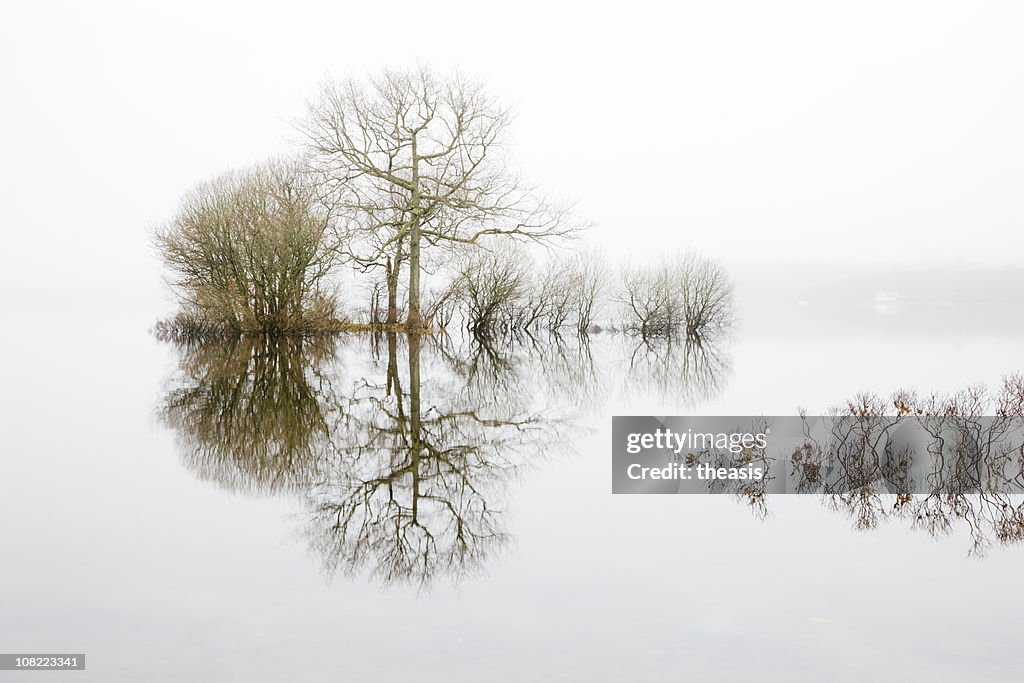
column 250, row 253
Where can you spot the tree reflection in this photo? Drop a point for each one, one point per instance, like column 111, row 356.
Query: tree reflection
column 937, row 463
column 418, row 475
column 251, row 414
column 989, row 517
column 690, row 371
column 404, row 475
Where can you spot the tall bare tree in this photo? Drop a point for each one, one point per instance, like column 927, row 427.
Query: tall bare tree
column 419, row 161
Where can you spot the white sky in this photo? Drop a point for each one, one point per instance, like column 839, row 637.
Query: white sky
column 783, row 131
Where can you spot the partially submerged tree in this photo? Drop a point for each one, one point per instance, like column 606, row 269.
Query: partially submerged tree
column 503, row 290
column 249, row 253
column 707, row 297
column 416, row 161
column 590, row 279
column 490, row 286
column 651, row 300
column 688, row 296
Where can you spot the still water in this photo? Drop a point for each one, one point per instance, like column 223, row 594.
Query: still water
column 439, row 510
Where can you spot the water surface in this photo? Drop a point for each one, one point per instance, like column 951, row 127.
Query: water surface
column 240, row 513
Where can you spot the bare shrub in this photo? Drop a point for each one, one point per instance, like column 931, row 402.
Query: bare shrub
column 248, row 253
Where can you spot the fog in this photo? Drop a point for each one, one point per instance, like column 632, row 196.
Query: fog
column 801, row 132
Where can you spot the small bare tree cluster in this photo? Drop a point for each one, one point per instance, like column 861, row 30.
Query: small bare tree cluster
column 491, row 288
column 568, row 292
column 249, row 252
column 504, row 291
column 689, row 296
column 971, row 401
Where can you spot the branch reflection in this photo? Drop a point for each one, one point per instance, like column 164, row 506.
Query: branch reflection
column 404, row 474
column 251, row 414
column 940, row 464
column 686, row 371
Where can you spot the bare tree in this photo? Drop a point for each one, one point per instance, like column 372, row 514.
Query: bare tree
column 440, row 307
column 651, row 299
column 707, row 293
column 590, row 269
column 419, row 161
column 556, row 293
column 566, row 292
column 248, row 253
column 490, row 287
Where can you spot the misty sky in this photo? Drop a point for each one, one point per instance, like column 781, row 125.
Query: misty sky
column 784, row 131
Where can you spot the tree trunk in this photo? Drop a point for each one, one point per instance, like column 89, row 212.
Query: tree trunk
column 414, row 321
column 392, row 284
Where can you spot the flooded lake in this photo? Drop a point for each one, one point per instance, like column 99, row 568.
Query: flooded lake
column 438, row 509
